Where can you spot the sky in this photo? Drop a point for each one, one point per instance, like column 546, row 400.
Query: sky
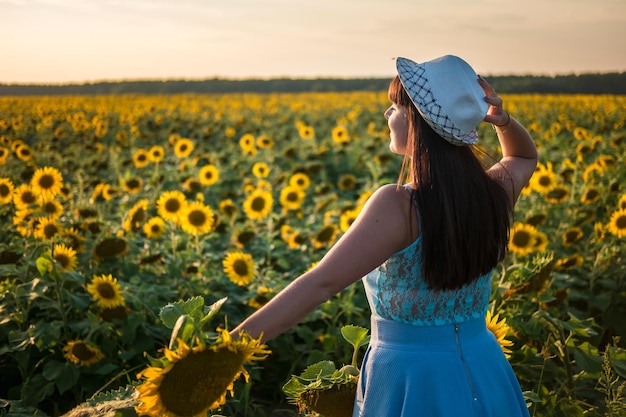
column 81, row 41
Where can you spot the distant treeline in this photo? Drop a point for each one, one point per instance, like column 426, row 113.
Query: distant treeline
column 604, row 83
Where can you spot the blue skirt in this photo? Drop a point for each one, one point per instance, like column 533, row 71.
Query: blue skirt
column 438, row 371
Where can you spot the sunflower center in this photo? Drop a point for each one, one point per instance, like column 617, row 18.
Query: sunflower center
column 50, row 230
column 172, row 205
column 620, row 222
column 545, row 180
column 4, row 190
column 132, row 184
column 197, row 218
column 592, row 194
column 82, row 352
column 293, row 197
column 106, row 291
column 63, row 259
column 521, row 239
column 46, row 182
column 110, row 247
column 28, row 197
column 258, row 204
column 325, row 234
column 240, row 267
column 199, row 379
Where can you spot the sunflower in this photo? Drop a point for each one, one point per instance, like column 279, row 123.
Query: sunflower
column 51, row 208
column 197, row 218
column 132, row 185
column 154, row 228
column 541, row 241
column 47, row 182
column 106, row 291
column 247, row 144
column 543, row 179
column 499, row 330
column 242, row 238
column 591, row 195
column 593, row 172
column 23, row 152
column 141, row 158
column 621, row 203
column 65, row 256
column 156, row 153
column 599, row 231
column 347, row 218
column 617, row 223
column 296, row 240
column 193, row 381
column 136, row 216
column 264, row 142
column 306, row 132
column 262, row 297
column 347, row 182
column 340, row 134
column 82, row 353
column 558, row 194
column 6, row 190
column 47, row 228
column 110, row 247
column 4, row 155
column 325, row 236
column 183, row 147
column 171, row 204
column 571, row 236
column 209, row 175
column 300, row 180
column 227, row 208
column 522, row 238
column 258, row 204
column 291, row 198
column 569, row 262
column 260, row 170
column 239, row 267
column 74, row 239
column 24, row 196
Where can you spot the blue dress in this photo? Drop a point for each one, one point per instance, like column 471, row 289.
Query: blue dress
column 430, row 353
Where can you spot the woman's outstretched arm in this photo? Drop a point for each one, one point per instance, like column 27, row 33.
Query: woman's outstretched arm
column 379, row 231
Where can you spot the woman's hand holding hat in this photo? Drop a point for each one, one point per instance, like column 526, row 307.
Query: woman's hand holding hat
column 495, row 114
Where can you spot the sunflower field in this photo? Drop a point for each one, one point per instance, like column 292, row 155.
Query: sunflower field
column 112, row 207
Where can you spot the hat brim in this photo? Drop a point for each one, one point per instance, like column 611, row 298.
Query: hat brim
column 415, row 80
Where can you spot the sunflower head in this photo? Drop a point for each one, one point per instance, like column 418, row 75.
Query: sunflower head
column 106, row 291
column 197, row 370
column 82, row 353
column 499, row 328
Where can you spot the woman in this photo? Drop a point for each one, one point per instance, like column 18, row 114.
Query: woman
column 427, row 249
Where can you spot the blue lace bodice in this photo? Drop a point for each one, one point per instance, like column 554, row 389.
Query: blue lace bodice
column 396, row 291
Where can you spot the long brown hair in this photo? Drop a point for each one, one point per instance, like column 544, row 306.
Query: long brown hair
column 464, row 213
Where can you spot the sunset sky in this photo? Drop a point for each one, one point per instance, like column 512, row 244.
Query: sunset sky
column 61, row 41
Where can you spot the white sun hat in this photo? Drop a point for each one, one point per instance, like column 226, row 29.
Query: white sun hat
column 447, row 95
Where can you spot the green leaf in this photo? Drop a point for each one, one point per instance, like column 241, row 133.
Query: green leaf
column 319, row 370
column 183, row 329
column 588, row 359
column 68, row 378
column 170, row 313
column 293, row 388
column 212, row 310
column 52, row 370
column 355, row 335
column 43, row 265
